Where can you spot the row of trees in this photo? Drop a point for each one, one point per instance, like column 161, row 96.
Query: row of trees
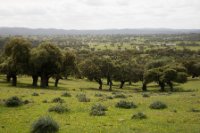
column 47, row 61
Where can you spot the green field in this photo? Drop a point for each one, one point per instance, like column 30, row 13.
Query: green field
column 177, row 118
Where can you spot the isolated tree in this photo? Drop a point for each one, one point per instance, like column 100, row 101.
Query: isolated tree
column 16, row 58
column 92, row 71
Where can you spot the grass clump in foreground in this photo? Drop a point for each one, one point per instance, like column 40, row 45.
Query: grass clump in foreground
column 66, row 94
column 158, row 105
column 83, row 98
column 13, row 102
column 98, row 110
column 58, row 109
column 139, row 115
column 58, row 100
column 45, row 125
column 125, row 105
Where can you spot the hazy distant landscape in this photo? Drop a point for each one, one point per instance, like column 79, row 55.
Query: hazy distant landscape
column 91, row 66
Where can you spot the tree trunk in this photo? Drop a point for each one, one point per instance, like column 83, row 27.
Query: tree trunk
column 170, row 85
column 14, row 80
column 162, row 86
column 35, row 80
column 110, row 88
column 100, row 84
column 44, row 80
column 56, row 82
column 130, row 83
column 144, row 87
column 8, row 77
column 122, row 84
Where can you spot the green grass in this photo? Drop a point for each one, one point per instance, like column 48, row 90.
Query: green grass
column 177, row 118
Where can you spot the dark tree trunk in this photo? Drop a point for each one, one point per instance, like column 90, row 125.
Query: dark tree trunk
column 170, row 85
column 100, row 83
column 14, row 80
column 44, row 80
column 35, row 80
column 144, row 87
column 130, row 83
column 108, row 81
column 162, row 86
column 8, row 77
column 56, row 82
column 110, row 86
column 122, row 84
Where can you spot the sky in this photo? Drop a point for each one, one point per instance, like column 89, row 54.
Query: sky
column 100, row 14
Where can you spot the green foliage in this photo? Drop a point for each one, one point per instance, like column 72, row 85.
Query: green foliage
column 125, row 105
column 98, row 110
column 13, row 102
column 158, row 105
column 82, row 98
column 58, row 109
column 35, row 94
column 58, row 100
column 119, row 95
column 139, row 115
column 66, row 94
column 45, row 125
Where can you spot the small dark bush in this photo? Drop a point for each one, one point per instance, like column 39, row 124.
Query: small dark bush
column 195, row 110
column 98, row 110
column 58, row 109
column 125, row 105
column 98, row 95
column 13, row 102
column 45, row 101
column 139, row 115
column 120, row 96
column 35, row 94
column 66, row 94
column 109, row 97
column 45, row 125
column 83, row 98
column 145, row 95
column 158, row 105
column 58, row 100
column 27, row 101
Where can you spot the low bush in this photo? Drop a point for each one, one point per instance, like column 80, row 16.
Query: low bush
column 98, row 110
column 13, row 102
column 158, row 105
column 145, row 95
column 125, row 105
column 109, row 97
column 66, row 94
column 83, row 98
column 98, row 95
column 195, row 110
column 120, row 96
column 58, row 109
column 139, row 115
column 45, row 125
column 35, row 94
column 58, row 100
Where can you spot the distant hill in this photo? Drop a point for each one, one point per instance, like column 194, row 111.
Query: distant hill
column 29, row 31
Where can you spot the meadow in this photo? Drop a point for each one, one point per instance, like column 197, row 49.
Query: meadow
column 182, row 114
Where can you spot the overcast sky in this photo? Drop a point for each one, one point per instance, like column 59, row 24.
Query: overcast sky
column 100, row 14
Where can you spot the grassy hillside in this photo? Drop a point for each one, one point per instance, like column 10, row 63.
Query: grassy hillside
column 177, row 118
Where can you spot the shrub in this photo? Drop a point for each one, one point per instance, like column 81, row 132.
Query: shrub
column 195, row 110
column 98, row 95
column 98, row 110
column 58, row 100
column 125, row 104
column 120, row 96
column 58, row 109
column 66, row 94
column 139, row 115
column 145, row 95
column 13, row 102
column 158, row 105
column 35, row 94
column 83, row 98
column 27, row 101
column 109, row 97
column 45, row 125
column 45, row 101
